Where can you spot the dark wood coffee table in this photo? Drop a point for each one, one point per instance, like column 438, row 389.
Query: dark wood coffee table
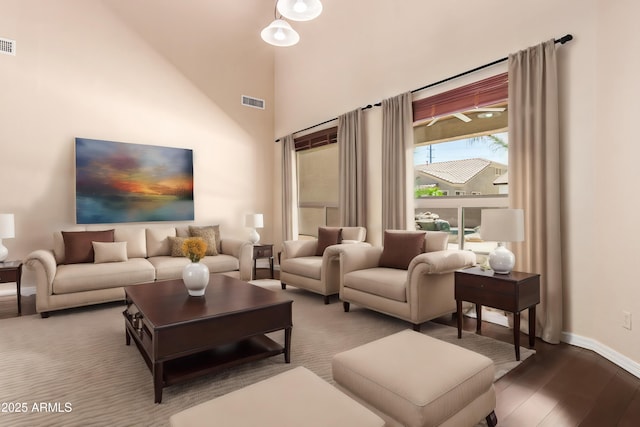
column 182, row 337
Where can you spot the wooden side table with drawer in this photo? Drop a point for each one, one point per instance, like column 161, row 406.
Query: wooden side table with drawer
column 11, row 271
column 511, row 292
column 263, row 250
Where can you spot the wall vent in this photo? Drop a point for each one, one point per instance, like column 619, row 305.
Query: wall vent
column 8, row 47
column 253, row 102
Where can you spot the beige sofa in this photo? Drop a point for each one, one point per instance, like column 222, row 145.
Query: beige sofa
column 302, row 267
column 420, row 290
column 148, row 258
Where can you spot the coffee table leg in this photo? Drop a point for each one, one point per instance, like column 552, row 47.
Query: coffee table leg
column 157, row 381
column 479, row 319
column 127, row 336
column 287, row 345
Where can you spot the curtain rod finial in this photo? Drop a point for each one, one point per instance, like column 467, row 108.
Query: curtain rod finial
column 565, row 39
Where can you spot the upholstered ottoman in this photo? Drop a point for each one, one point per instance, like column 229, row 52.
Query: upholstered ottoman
column 413, row 380
column 292, row 399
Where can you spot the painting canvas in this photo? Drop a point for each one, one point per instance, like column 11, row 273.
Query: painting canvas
column 121, row 182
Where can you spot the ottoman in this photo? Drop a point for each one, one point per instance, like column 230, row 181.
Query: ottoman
column 412, row 380
column 292, row 399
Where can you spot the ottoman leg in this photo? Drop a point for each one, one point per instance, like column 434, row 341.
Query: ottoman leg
column 345, row 306
column 492, row 420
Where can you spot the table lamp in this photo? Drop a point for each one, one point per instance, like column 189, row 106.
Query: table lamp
column 7, row 231
column 502, row 225
column 254, row 221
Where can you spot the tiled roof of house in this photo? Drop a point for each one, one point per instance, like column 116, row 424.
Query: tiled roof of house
column 455, row 171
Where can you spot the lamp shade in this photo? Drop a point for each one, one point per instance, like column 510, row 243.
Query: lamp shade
column 280, row 33
column 502, row 225
column 254, row 220
column 299, row 10
column 7, row 226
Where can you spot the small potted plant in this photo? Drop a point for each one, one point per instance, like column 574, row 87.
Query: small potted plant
column 195, row 274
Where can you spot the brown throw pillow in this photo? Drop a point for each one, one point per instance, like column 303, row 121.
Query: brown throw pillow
column 78, row 247
column 176, row 245
column 400, row 248
column 328, row 236
column 209, row 234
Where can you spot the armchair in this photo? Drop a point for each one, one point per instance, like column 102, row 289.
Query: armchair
column 306, row 265
column 410, row 278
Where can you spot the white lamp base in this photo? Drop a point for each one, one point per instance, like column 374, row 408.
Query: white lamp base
column 254, row 237
column 502, row 260
column 4, row 252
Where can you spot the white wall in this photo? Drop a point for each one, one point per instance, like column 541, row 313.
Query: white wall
column 83, row 70
column 362, row 51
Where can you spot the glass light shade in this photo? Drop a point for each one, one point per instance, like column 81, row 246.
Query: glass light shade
column 280, row 33
column 299, row 10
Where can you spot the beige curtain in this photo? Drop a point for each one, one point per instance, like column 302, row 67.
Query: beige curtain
column 352, row 170
column 289, row 190
column 534, row 176
column 397, row 142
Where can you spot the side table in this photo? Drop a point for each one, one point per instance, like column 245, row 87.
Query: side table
column 263, row 250
column 11, row 271
column 511, row 292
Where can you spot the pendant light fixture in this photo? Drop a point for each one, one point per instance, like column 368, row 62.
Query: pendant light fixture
column 280, row 33
column 300, row 10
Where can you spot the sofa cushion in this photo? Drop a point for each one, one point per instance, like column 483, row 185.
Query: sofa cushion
column 209, row 235
column 388, row 283
column 328, row 236
column 135, row 238
column 168, row 267
column 400, row 247
column 78, row 247
column 306, row 266
column 88, row 277
column 109, row 252
column 158, row 243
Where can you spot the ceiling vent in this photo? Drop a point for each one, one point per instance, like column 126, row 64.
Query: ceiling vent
column 8, row 47
column 253, row 102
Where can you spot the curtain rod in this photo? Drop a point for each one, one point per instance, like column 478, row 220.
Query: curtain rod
column 562, row 40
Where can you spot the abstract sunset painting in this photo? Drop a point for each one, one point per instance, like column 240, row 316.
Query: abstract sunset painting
column 120, row 182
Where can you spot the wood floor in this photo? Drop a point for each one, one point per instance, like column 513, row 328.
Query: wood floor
column 561, row 385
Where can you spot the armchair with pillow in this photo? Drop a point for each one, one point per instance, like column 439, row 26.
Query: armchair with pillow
column 411, row 277
column 314, row 265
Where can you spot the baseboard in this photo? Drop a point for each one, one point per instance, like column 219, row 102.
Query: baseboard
column 608, row 353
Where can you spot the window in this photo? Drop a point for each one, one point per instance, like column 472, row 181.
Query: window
column 461, row 160
column 317, row 159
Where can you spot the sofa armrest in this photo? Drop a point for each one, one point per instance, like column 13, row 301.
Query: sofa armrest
column 358, row 257
column 43, row 262
column 441, row 262
column 243, row 250
column 298, row 248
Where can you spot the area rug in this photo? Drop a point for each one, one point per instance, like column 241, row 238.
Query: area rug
column 74, row 369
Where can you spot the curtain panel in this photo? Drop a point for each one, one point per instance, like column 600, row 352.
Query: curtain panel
column 397, row 146
column 534, row 176
column 289, row 189
column 352, row 179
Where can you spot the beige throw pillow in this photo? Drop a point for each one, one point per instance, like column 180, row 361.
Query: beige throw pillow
column 210, row 235
column 109, row 252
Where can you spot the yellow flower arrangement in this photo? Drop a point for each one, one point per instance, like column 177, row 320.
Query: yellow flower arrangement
column 194, row 248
